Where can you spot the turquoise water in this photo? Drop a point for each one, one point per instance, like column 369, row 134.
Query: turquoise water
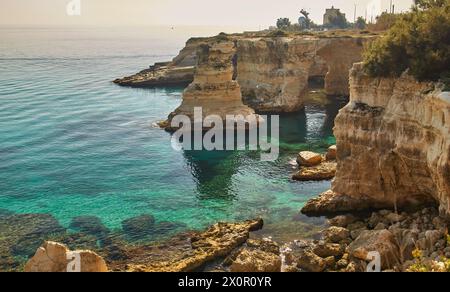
column 74, row 144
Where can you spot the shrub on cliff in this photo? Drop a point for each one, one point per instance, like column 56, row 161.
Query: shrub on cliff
column 277, row 33
column 384, row 22
column 418, row 41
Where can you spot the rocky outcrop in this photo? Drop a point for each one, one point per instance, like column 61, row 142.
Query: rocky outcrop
column 308, row 158
column 178, row 72
column 274, row 72
column 315, row 166
column 415, row 241
column 214, row 90
column 188, row 252
column 56, row 257
column 323, row 171
column 393, row 141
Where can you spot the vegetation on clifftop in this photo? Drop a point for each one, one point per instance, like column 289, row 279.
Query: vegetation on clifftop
column 418, row 41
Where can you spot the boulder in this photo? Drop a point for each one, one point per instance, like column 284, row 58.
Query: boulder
column 188, row 252
column 256, row 261
column 323, row 171
column 310, row 262
column 381, row 241
column 336, row 234
column 308, row 159
column 342, row 220
column 56, row 257
column 325, row 250
column 332, row 153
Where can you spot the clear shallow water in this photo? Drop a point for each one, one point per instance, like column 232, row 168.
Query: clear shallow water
column 74, row 144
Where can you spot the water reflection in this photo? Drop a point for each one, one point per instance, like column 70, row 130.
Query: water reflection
column 309, row 129
column 213, row 172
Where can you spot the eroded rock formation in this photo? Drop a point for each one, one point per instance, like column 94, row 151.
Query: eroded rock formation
column 178, row 72
column 56, row 257
column 214, row 89
column 274, row 72
column 188, row 252
column 393, row 142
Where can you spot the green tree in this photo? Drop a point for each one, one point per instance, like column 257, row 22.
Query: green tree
column 338, row 21
column 308, row 21
column 418, row 41
column 361, row 23
column 283, row 23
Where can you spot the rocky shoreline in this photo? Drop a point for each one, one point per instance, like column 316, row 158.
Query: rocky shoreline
column 405, row 242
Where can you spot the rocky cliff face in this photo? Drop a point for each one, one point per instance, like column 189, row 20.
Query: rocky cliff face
column 274, row 72
column 178, row 72
column 393, row 141
column 214, row 89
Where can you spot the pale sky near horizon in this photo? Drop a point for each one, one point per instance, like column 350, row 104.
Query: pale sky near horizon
column 245, row 14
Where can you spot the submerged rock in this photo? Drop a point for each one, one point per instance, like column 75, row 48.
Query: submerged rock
column 91, row 225
column 139, row 226
column 56, row 257
column 21, row 234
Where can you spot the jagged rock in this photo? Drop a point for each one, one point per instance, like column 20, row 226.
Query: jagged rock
column 308, row 158
column 178, row 72
column 188, row 252
column 432, row 237
column 256, row 261
column 264, row 245
column 332, row 153
column 331, row 202
column 382, row 241
column 56, row 257
column 325, row 250
column 323, row 171
column 380, row 226
column 336, row 234
column 342, row 220
column 393, row 143
column 330, row 262
column 310, row 262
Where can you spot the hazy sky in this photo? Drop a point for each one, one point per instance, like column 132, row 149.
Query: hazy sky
column 246, row 14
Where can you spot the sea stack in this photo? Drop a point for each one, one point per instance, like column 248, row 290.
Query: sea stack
column 214, row 88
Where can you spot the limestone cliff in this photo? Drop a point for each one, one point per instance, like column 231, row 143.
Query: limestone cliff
column 214, row 89
column 274, row 72
column 178, row 72
column 393, row 141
